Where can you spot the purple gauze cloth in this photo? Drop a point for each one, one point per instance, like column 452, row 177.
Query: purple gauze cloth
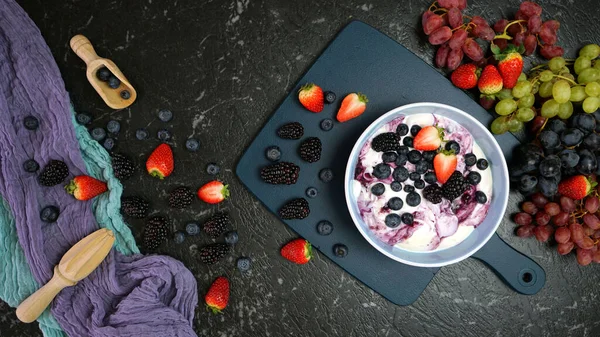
column 127, row 295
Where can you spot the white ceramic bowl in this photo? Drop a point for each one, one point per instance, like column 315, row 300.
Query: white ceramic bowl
column 497, row 208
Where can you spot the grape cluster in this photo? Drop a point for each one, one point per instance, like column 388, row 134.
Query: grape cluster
column 575, row 225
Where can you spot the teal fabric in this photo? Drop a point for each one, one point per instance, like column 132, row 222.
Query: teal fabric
column 16, row 278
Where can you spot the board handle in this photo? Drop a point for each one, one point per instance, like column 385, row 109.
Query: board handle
column 517, row 270
column 83, row 48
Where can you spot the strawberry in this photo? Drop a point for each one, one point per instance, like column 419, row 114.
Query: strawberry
column 429, row 138
column 213, row 192
column 576, row 187
column 217, row 297
column 490, row 81
column 160, row 163
column 298, row 251
column 465, row 76
column 353, row 105
column 85, row 187
column 311, row 97
column 510, row 64
column 444, row 165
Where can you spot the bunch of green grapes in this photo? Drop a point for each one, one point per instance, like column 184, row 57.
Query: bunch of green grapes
column 553, row 84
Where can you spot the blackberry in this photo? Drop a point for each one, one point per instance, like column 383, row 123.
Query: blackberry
column 470, row 159
column 134, row 207
column 283, row 173
column 181, row 197
column 326, row 175
column 231, row 237
column 292, row 130
column 310, row 149
column 122, row 166
column 388, row 141
column 455, row 186
column 155, row 232
column 213, row 253
column 433, row 194
column 295, row 209
column 414, row 130
column 402, row 129
column 54, row 173
column 216, row 224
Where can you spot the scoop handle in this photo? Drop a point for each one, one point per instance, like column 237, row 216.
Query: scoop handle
column 83, row 48
column 30, row 309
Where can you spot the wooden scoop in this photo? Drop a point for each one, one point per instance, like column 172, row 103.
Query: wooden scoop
column 76, row 264
column 83, row 48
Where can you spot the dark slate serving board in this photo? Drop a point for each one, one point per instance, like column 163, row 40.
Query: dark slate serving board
column 363, row 59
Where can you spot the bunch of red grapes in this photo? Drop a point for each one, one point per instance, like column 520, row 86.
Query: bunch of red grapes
column 444, row 23
column 575, row 224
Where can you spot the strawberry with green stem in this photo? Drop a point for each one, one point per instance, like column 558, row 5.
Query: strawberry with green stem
column 160, row 163
column 353, row 105
column 217, row 297
column 298, row 251
column 576, row 187
column 311, row 97
column 510, row 63
column 490, row 81
column 85, row 187
column 213, row 192
column 429, row 138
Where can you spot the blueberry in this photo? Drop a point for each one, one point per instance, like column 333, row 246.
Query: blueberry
column 402, row 129
column 324, row 227
column 378, row 189
column 31, row 166
column 470, row 159
column 273, row 153
column 396, row 186
column 480, row 197
column 83, row 119
column 389, row 157
column 231, row 237
column 113, row 82
column 400, row 174
column 164, row 135
column 244, row 264
column 109, row 143
column 98, row 134
column 420, row 184
column 179, row 237
column 31, row 123
column 340, row 250
column 452, row 146
column 414, row 176
column 191, row 144
column 329, row 97
column 430, row 178
column 429, row 155
column 49, row 214
column 401, row 160
column 407, row 219
column 421, row 167
column 393, row 220
column 326, row 175
column 413, row 199
column 409, row 188
column 414, row 156
column 395, row 203
column 212, row 169
column 125, row 94
column 414, row 130
column 311, row 192
column 103, row 74
column 113, row 126
column 382, row 171
column 474, row 178
column 141, row 134
column 482, row 164
column 165, row 115
column 326, row 124
column 407, row 141
column 192, row 228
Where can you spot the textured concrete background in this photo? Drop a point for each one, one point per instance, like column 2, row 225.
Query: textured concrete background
column 222, row 67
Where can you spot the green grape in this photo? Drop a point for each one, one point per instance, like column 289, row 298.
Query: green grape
column 590, row 51
column 564, row 70
column 525, row 114
column 515, row 125
column 521, row 89
column 535, row 88
column 546, row 89
column 578, row 93
column 499, row 125
column 561, row 91
column 591, row 104
column 592, row 89
column 546, row 76
column 504, row 93
column 565, row 110
column 522, row 77
column 581, row 63
column 588, row 75
column 526, row 101
column 556, row 64
column 550, row 108
column 596, row 64
column 569, row 76
column 506, row 106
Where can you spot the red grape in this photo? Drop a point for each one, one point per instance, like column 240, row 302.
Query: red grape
column 519, row 15
column 514, row 29
column 592, row 204
column 542, row 218
column 552, row 208
column 472, row 50
column 537, row 123
column 525, row 231
column 486, row 102
column 454, row 58
column 523, row 219
column 586, row 243
column 539, row 200
column 548, row 32
column 481, row 63
column 542, row 233
column 584, row 256
column 567, row 204
column 530, row 8
column 565, row 248
column 479, row 21
column 448, row 3
column 549, row 52
column 534, row 24
column 442, row 55
column 588, row 231
column 501, row 43
column 440, row 35
column 500, row 25
column 562, row 235
column 596, row 235
column 455, row 17
column 445, row 20
column 596, row 256
column 431, row 22
column 462, row 4
column 458, row 39
column 518, row 39
column 576, row 232
column 486, row 33
column 530, row 44
column 560, row 219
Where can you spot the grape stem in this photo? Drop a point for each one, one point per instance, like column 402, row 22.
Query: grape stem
column 505, row 35
column 443, row 10
column 433, row 6
column 460, row 27
column 566, row 78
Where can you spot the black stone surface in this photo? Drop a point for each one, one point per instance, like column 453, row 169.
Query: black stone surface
column 222, row 67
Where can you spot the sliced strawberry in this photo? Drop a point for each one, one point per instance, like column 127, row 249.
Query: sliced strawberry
column 353, row 106
column 444, row 164
column 311, row 97
column 429, row 138
column 213, row 192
